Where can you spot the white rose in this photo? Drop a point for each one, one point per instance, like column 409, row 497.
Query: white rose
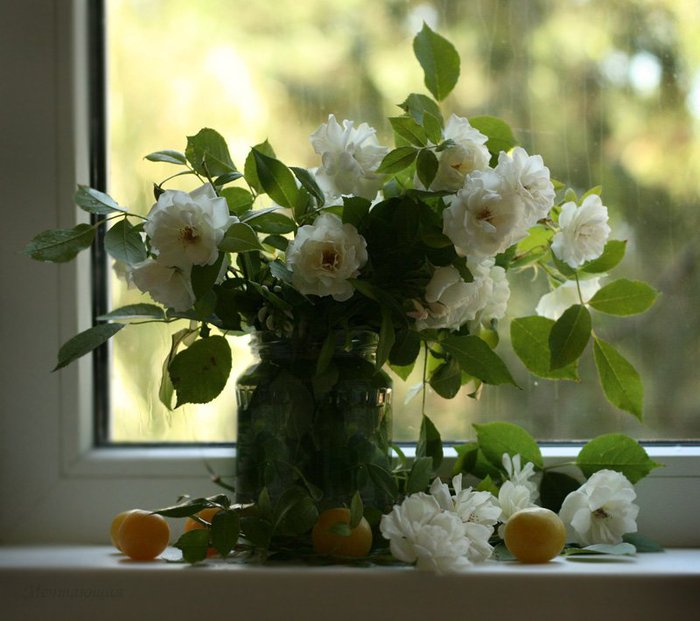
column 485, row 217
column 166, row 284
column 450, row 302
column 512, row 498
column 469, row 153
column 529, row 178
column 583, row 231
column 349, row 159
column 185, row 228
column 420, row 532
column 601, row 510
column 494, row 286
column 553, row 304
column 521, row 475
column 323, row 255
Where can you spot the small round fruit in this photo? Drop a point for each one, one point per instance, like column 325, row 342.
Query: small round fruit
column 206, row 514
column 535, row 535
column 114, row 529
column 325, row 541
column 143, row 535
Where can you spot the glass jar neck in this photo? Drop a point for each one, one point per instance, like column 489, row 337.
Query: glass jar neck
column 271, row 346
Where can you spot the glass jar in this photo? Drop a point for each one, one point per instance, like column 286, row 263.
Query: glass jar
column 323, row 431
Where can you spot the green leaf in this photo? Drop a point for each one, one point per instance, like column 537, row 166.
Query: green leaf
column 439, row 60
column 620, row 381
column 498, row 438
column 569, row 336
column 326, row 354
column 295, row 513
column 624, row 297
column 446, row 380
column 256, row 530
column 308, row 182
column 500, row 135
column 426, row 113
column 250, row 168
column 239, row 200
column 466, row 458
column 383, row 479
column 60, row 245
column 642, row 543
column 240, row 237
column 387, row 337
column 200, row 372
column 230, row 177
column 208, row 153
column 194, row 545
column 124, row 243
column 272, row 223
column 277, row 180
column 613, row 253
column 167, row 155
column 426, row 166
column 554, row 487
column 405, row 350
column 188, row 508
column 615, row 451
column 477, row 359
column 134, row 311
column 355, row 209
column 203, row 277
column 397, row 160
column 94, row 201
column 597, row 549
column 225, row 528
column 420, row 475
column 356, row 510
column 409, row 129
column 85, row 342
column 530, row 339
column 429, row 442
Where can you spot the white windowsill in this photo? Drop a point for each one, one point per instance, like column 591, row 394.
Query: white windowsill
column 76, row 582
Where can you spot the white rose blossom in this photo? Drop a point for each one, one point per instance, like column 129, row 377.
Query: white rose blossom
column 512, row 498
column 168, row 285
column 553, row 304
column 323, row 255
column 185, row 228
column 485, row 217
column 350, row 157
column 521, row 475
column 583, row 231
column 420, row 532
column 467, row 154
column 601, row 510
column 494, row 286
column 529, row 178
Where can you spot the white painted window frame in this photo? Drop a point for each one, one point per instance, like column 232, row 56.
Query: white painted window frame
column 55, row 486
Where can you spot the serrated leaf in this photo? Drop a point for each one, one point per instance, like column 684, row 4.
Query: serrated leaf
column 624, row 297
column 200, row 372
column 124, row 243
column 615, row 451
column 498, row 438
column 94, row 201
column 569, row 336
column 250, row 169
column 240, row 237
column 167, row 155
column 477, row 359
column 60, row 245
column 530, row 339
column 500, row 135
column 134, row 311
column 439, row 60
column 426, row 113
column 397, row 160
column 308, row 182
column 208, row 153
column 85, row 342
column 620, row 381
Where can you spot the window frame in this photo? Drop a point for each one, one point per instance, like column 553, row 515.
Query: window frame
column 53, row 473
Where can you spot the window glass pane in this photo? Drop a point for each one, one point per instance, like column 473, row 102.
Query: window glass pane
column 606, row 92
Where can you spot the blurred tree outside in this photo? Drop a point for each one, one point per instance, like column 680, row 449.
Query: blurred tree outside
column 607, row 92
